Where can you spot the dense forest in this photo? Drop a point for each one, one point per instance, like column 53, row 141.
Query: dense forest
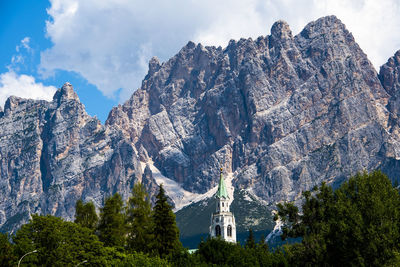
column 358, row 224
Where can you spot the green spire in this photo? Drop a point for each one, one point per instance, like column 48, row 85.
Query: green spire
column 222, row 192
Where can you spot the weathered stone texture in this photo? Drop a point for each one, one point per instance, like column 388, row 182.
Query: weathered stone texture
column 53, row 153
column 282, row 113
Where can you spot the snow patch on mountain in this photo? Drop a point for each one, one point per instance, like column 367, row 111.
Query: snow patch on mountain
column 277, row 229
column 175, row 191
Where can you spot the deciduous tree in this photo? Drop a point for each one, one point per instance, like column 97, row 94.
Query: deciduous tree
column 112, row 228
column 358, row 224
column 85, row 214
column 139, row 223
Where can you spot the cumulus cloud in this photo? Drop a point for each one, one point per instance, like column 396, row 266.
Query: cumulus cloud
column 12, row 83
column 23, row 49
column 24, row 44
column 23, row 86
column 110, row 44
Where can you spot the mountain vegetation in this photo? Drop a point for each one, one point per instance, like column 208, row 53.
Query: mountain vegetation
column 85, row 214
column 138, row 220
column 358, row 224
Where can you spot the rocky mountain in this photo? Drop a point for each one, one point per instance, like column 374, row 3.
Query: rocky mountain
column 53, row 153
column 280, row 114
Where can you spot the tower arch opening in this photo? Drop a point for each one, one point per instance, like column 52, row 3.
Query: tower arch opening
column 229, row 230
column 217, row 230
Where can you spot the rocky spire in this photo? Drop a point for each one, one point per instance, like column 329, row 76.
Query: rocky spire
column 154, row 65
column 66, row 92
column 281, row 30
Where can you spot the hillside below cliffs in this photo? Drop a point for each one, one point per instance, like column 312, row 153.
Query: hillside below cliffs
column 279, row 114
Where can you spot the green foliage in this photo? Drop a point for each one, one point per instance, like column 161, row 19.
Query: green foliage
column 85, row 214
column 143, row 260
column 7, row 257
column 166, row 233
column 358, row 224
column 58, row 243
column 112, row 228
column 138, row 216
column 217, row 252
column 250, row 242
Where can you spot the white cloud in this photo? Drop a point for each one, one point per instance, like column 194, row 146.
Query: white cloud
column 23, row 49
column 109, row 43
column 24, row 44
column 23, row 86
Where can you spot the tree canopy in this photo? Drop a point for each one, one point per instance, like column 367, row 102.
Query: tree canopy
column 138, row 220
column 58, row 243
column 85, row 214
column 166, row 233
column 358, row 224
column 112, row 229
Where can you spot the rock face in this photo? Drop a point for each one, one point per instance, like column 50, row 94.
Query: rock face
column 53, row 153
column 281, row 114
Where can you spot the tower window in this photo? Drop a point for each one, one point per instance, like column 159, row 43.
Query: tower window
column 218, row 230
column 222, row 204
column 229, row 230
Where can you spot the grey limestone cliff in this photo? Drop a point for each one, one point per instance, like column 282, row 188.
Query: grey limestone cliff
column 281, row 113
column 53, row 153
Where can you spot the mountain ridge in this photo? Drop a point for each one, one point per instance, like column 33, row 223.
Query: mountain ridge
column 282, row 113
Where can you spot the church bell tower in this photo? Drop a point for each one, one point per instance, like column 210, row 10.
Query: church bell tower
column 222, row 220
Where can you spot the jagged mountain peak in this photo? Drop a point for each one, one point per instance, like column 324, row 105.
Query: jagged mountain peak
column 12, row 102
column 154, row 65
column 327, row 24
column 389, row 74
column 65, row 93
column 281, row 114
column 255, row 106
column 281, row 30
column 15, row 104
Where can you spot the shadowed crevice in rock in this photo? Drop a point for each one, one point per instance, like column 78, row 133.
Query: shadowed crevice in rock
column 280, row 114
column 268, row 110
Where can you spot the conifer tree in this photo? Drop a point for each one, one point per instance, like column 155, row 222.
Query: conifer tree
column 138, row 216
column 250, row 242
column 166, row 233
column 112, row 227
column 85, row 214
column 262, row 244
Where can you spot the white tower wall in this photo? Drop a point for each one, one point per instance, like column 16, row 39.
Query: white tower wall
column 222, row 220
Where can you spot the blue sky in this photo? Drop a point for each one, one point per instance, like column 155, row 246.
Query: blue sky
column 102, row 47
column 27, row 18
